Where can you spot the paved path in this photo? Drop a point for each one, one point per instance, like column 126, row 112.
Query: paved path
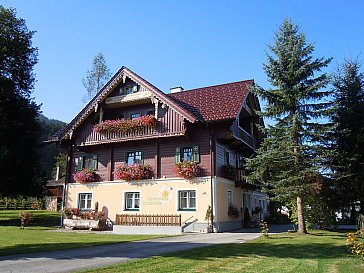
column 77, row 259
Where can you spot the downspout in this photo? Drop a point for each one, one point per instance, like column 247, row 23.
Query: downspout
column 212, row 173
column 65, row 184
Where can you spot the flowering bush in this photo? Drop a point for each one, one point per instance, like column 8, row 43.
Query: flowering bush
column 84, row 176
column 92, row 215
column 188, row 169
column 124, row 125
column 355, row 243
column 133, row 172
column 25, row 218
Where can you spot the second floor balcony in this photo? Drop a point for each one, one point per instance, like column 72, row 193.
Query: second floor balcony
column 126, row 130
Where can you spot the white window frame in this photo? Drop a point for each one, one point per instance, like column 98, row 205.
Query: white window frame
column 188, row 209
column 79, row 201
column 133, row 201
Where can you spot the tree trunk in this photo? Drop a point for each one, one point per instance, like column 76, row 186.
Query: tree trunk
column 300, row 215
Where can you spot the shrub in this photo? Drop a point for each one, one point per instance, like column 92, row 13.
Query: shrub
column 25, row 218
column 355, row 243
column 133, row 172
column 264, row 228
column 188, row 169
column 246, row 217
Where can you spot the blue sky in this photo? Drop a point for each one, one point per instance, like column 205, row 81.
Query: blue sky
column 187, row 43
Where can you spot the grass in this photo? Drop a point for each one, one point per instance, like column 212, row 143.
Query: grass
column 321, row 251
column 39, row 238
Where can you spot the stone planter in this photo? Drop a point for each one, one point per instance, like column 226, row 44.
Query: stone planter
column 84, row 224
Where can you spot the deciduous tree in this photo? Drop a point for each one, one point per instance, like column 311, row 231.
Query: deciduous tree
column 18, row 126
column 96, row 77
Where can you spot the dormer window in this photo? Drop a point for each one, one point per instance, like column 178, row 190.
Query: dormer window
column 129, row 89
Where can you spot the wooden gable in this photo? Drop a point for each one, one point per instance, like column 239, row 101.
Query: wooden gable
column 128, row 99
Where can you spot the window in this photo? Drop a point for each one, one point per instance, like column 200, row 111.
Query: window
column 134, row 115
column 88, row 162
column 129, row 89
column 84, row 201
column 227, row 158
column 132, row 201
column 230, row 197
column 187, row 200
column 134, row 157
column 191, row 153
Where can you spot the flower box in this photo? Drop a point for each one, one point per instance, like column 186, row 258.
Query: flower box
column 84, row 176
column 125, row 125
column 188, row 169
column 133, row 172
column 84, row 224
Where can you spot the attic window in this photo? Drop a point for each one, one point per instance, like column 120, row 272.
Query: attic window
column 129, row 89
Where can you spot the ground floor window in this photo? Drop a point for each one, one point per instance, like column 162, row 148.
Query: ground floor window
column 187, row 200
column 132, row 201
column 84, row 201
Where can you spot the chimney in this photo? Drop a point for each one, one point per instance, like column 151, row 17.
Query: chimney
column 176, row 89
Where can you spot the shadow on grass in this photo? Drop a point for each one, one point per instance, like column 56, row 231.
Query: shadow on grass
column 274, row 247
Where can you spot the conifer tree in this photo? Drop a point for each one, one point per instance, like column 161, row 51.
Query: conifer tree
column 347, row 140
column 288, row 161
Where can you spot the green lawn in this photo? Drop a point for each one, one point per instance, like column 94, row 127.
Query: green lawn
column 320, row 251
column 38, row 236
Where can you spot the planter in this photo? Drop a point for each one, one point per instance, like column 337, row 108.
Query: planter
column 84, row 224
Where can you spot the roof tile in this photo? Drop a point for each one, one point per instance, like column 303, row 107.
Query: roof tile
column 214, row 103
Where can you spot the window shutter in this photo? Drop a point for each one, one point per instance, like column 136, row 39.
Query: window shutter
column 94, row 162
column 196, row 154
column 79, row 165
column 178, row 155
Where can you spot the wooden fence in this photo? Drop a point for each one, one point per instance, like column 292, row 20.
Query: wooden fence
column 148, row 220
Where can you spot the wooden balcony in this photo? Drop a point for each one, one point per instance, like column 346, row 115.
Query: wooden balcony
column 88, row 136
column 239, row 176
column 243, row 136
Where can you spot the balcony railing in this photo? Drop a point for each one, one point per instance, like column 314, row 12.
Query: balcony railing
column 242, row 135
column 88, row 136
column 238, row 175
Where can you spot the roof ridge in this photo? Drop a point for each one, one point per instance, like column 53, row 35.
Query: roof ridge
column 203, row 87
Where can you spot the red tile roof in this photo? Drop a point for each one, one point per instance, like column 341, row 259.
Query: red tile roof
column 214, row 103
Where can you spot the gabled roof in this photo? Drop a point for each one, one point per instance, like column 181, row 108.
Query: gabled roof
column 214, row 103
column 106, row 90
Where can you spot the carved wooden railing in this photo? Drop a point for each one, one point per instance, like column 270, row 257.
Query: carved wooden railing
column 88, row 136
column 148, row 220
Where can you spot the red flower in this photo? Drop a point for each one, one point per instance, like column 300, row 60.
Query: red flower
column 124, row 125
column 133, row 172
column 188, row 169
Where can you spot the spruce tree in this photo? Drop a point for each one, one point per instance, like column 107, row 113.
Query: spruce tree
column 347, row 139
column 288, row 161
